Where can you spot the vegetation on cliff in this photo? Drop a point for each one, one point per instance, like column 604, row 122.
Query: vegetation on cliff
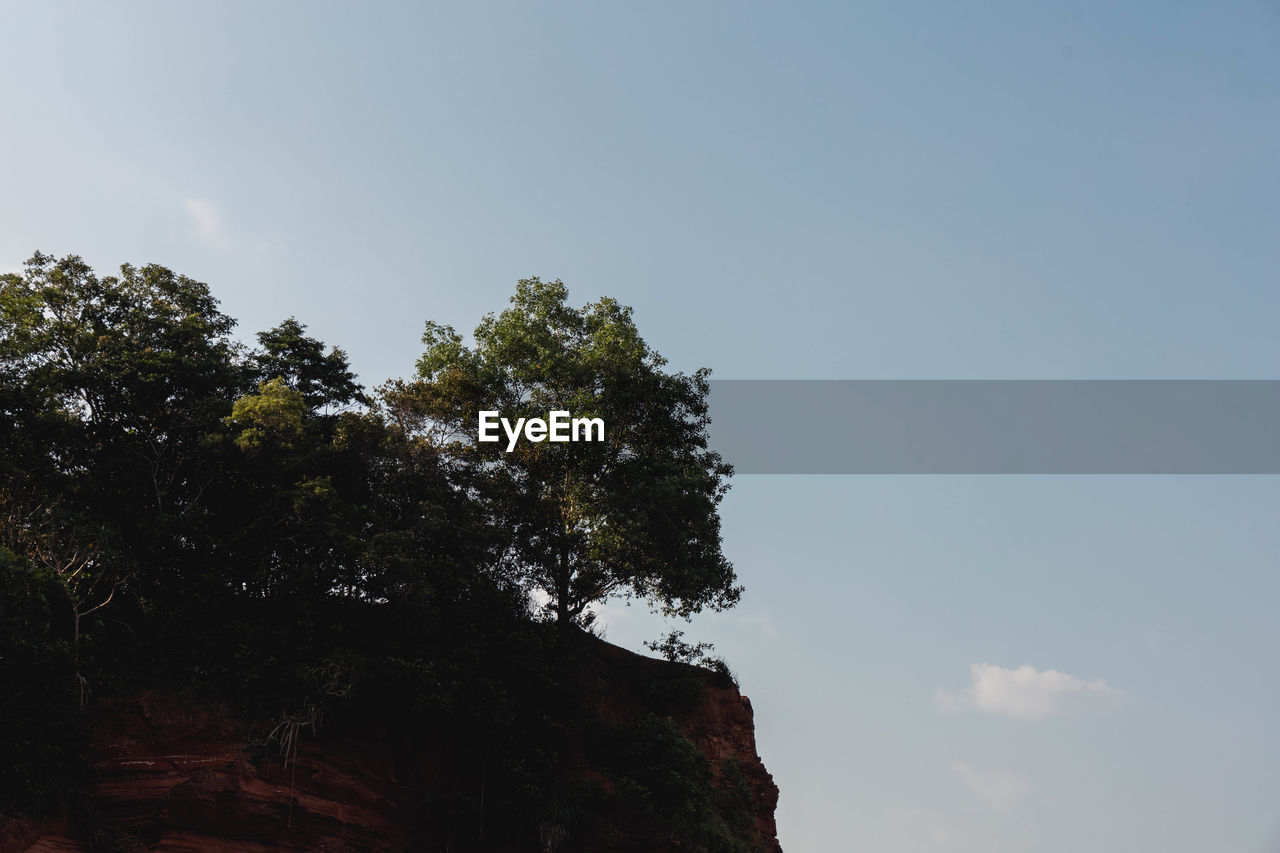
column 251, row 525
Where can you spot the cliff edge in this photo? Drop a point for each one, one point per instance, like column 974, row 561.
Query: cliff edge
column 175, row 775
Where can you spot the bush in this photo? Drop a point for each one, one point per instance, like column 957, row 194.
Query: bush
column 673, row 647
column 662, row 780
column 42, row 756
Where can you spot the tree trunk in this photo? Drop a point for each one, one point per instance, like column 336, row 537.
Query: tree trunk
column 75, row 653
column 563, row 617
column 562, row 601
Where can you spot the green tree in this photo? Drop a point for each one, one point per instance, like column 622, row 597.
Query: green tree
column 272, row 417
column 324, row 379
column 633, row 515
column 112, row 386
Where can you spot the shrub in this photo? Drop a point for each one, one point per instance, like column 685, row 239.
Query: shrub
column 42, row 757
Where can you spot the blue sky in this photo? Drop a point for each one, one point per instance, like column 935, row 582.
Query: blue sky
column 874, row 190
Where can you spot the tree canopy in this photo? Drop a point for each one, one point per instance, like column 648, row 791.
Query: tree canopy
column 635, row 514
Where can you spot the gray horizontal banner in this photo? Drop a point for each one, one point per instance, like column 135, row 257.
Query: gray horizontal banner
column 997, row 426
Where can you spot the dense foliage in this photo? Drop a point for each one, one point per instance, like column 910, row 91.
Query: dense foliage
column 41, row 742
column 634, row 514
column 180, row 510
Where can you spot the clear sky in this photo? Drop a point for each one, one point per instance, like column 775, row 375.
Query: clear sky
column 855, row 190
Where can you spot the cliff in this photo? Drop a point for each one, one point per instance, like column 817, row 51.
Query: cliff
column 172, row 775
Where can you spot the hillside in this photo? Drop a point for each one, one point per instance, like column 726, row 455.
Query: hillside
column 172, row 775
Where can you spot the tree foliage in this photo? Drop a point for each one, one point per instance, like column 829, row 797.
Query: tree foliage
column 113, row 385
column 635, row 514
column 323, row 379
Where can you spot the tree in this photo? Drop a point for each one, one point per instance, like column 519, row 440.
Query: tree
column 633, row 515
column 110, row 388
column 136, row 367
column 324, row 380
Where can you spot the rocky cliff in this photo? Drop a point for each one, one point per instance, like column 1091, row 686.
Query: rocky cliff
column 173, row 775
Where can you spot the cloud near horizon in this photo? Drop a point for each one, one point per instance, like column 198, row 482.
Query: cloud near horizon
column 1024, row 692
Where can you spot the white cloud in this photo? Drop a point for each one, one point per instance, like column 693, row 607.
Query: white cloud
column 206, row 219
column 1024, row 692
column 1000, row 788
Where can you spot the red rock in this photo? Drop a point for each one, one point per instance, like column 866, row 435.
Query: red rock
column 176, row 779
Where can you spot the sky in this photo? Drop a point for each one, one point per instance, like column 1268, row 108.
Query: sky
column 877, row 190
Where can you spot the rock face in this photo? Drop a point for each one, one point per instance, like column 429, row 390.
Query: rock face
column 721, row 725
column 173, row 778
